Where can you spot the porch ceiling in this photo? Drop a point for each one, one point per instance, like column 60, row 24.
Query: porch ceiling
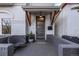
column 43, row 9
column 40, row 8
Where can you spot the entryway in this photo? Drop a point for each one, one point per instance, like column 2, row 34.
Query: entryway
column 40, row 28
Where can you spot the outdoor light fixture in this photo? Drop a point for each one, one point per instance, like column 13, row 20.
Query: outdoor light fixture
column 41, row 18
column 40, row 15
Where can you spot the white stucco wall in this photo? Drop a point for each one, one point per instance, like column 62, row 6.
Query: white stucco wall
column 73, row 22
column 18, row 27
column 48, row 23
column 67, row 22
column 18, row 19
column 61, row 23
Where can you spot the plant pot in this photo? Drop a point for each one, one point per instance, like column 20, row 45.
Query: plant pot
column 31, row 40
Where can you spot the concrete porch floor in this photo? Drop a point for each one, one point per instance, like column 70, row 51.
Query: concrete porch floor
column 37, row 49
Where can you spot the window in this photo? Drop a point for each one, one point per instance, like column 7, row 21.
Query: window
column 6, row 25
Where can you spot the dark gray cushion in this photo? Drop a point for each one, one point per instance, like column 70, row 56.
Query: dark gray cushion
column 17, row 40
column 71, row 38
column 4, row 40
column 67, row 37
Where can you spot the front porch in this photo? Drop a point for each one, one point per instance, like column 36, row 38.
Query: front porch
column 54, row 30
column 53, row 46
column 37, row 49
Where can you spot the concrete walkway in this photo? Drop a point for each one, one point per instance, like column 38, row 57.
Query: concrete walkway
column 36, row 49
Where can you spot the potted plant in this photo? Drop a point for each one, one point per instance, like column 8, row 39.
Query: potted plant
column 31, row 37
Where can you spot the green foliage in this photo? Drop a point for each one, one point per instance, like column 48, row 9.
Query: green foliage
column 30, row 33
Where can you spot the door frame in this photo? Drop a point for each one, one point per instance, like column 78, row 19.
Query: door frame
column 44, row 29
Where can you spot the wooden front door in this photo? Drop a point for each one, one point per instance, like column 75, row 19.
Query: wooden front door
column 40, row 27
